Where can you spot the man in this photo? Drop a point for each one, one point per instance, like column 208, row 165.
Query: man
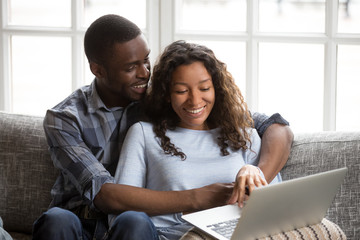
column 85, row 133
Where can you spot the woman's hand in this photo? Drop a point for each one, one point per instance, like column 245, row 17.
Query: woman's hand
column 249, row 176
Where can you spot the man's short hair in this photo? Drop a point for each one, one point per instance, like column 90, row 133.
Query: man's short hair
column 104, row 32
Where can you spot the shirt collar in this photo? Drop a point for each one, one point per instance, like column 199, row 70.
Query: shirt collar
column 95, row 101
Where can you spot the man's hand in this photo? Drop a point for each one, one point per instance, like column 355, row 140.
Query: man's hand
column 248, row 177
column 214, row 195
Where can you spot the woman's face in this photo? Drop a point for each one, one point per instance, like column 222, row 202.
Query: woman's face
column 192, row 95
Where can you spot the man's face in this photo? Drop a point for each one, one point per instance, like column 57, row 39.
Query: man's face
column 125, row 74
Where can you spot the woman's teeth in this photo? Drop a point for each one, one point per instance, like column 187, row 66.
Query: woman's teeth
column 194, row 111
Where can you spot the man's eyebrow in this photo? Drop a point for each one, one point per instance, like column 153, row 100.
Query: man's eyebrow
column 137, row 61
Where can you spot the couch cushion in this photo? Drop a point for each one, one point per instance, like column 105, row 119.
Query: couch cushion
column 326, row 230
column 26, row 171
column 318, row 152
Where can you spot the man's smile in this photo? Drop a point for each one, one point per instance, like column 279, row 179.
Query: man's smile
column 141, row 85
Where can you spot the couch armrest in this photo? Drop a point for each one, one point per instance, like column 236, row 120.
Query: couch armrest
column 27, row 173
column 318, row 152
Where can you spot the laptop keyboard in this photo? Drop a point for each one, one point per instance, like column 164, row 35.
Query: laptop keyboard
column 226, row 228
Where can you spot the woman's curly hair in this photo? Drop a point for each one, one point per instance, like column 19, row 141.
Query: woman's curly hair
column 229, row 113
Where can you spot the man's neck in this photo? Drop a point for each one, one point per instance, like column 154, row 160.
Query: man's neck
column 109, row 99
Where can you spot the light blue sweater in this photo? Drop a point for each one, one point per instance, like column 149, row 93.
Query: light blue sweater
column 143, row 162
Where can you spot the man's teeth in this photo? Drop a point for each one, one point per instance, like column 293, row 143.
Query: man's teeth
column 140, row 86
column 195, row 110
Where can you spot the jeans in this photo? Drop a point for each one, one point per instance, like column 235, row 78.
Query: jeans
column 58, row 223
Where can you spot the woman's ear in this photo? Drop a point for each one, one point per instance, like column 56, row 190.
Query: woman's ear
column 98, row 70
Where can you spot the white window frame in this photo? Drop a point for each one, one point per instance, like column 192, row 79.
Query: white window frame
column 252, row 37
column 75, row 32
column 161, row 30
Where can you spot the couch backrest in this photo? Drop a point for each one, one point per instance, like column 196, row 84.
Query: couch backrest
column 318, row 152
column 26, row 171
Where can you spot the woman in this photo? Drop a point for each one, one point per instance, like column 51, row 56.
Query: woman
column 199, row 132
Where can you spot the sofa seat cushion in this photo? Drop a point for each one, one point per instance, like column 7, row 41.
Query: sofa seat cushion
column 326, row 230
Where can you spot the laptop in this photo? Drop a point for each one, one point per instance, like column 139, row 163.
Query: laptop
column 273, row 208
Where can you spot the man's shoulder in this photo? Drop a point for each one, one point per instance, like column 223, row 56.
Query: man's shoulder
column 78, row 99
column 72, row 106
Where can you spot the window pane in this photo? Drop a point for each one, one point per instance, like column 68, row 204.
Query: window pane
column 211, row 15
column 291, row 83
column 134, row 10
column 348, row 85
column 41, row 73
column 291, row 16
column 349, row 16
column 233, row 54
column 46, row 13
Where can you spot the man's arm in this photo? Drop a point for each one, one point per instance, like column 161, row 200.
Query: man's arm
column 275, row 149
column 131, row 174
column 276, row 140
column 96, row 186
column 116, row 198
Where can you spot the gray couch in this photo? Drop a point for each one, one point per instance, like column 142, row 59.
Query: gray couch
column 27, row 173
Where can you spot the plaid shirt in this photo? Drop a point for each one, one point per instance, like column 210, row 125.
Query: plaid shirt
column 85, row 138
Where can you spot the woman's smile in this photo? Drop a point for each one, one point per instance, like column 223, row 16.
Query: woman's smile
column 195, row 111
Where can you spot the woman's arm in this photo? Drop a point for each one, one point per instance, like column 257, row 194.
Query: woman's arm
column 276, row 140
column 246, row 180
column 274, row 152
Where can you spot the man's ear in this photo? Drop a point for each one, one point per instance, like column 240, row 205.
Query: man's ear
column 98, row 70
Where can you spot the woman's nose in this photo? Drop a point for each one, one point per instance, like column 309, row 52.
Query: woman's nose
column 194, row 98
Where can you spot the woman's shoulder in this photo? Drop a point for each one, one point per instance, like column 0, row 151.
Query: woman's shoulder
column 140, row 130
column 142, row 126
column 252, row 132
column 254, row 136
